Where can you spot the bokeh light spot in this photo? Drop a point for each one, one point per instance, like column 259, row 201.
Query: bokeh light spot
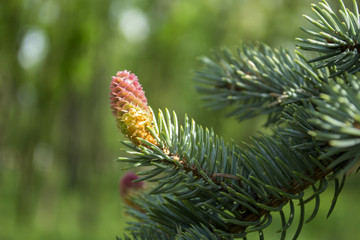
column 134, row 25
column 33, row 48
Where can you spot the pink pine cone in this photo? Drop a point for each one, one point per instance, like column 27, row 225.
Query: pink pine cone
column 130, row 190
column 129, row 106
column 126, row 89
column 127, row 185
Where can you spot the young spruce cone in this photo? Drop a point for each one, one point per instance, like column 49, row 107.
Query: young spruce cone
column 129, row 106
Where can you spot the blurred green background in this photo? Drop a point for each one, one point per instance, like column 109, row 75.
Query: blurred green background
column 58, row 139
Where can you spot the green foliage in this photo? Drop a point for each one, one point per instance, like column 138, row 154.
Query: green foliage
column 56, row 129
column 260, row 80
column 338, row 118
column 338, row 39
column 206, row 188
column 58, row 138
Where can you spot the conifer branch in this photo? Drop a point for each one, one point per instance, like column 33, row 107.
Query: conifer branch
column 208, row 189
column 339, row 38
column 260, row 80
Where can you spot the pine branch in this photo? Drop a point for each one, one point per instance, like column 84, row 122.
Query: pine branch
column 260, row 80
column 338, row 40
column 206, row 188
column 338, row 117
column 260, row 179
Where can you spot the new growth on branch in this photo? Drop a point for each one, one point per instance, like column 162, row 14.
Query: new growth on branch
column 205, row 188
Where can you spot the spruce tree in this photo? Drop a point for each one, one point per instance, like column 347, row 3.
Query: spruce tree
column 205, row 188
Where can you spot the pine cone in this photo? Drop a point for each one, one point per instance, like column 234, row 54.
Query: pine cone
column 130, row 108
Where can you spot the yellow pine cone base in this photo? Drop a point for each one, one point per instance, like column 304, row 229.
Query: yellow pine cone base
column 135, row 123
